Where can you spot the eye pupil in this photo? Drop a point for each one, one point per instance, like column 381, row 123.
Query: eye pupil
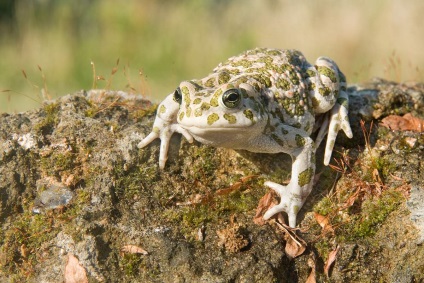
column 231, row 98
column 178, row 95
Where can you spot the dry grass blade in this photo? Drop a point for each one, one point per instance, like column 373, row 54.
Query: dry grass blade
column 93, row 70
column 236, row 186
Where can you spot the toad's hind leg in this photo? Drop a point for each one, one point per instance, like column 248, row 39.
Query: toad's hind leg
column 292, row 196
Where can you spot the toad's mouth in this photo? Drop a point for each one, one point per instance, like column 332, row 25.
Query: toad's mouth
column 197, row 129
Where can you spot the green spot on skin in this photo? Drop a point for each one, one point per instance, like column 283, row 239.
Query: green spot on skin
column 305, row 177
column 197, row 101
column 300, row 141
column 230, row 118
column 315, row 102
column 336, row 127
column 214, row 99
column 223, row 78
column 244, row 93
column 181, row 116
column 242, row 63
column 205, row 106
column 187, row 99
column 185, row 90
column 324, row 91
column 156, row 130
column 274, row 52
column 277, row 139
column 212, row 118
column 343, row 102
column 297, row 125
column 249, row 115
column 310, row 73
column 162, row 109
column 186, row 95
column 188, row 111
column 283, row 84
column 198, row 112
column 210, row 82
column 327, row 72
column 313, row 158
column 307, row 126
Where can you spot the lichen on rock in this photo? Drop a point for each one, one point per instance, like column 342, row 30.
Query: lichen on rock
column 77, row 156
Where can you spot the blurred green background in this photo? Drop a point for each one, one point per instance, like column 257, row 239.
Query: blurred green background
column 47, row 46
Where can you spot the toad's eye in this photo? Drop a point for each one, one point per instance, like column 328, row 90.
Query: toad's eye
column 177, row 95
column 231, row 98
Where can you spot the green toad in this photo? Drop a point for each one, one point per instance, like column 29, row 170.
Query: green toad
column 263, row 100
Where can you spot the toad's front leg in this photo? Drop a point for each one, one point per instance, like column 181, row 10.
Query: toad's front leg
column 293, row 196
column 165, row 126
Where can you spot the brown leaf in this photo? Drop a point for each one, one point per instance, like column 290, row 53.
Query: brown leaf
column 74, row 272
column 264, row 204
column 331, row 258
column 132, row 249
column 295, row 245
column 294, row 248
column 323, row 221
column 405, row 123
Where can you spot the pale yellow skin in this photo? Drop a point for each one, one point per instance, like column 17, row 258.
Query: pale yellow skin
column 263, row 100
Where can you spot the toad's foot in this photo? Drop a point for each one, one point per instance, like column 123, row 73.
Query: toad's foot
column 289, row 202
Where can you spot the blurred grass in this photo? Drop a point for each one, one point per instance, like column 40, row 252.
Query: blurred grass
column 174, row 40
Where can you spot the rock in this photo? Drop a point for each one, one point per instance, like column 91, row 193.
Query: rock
column 75, row 162
column 416, row 207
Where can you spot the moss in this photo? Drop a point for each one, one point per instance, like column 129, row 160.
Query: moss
column 385, row 166
column 57, row 162
column 325, row 206
column 81, row 199
column 92, row 110
column 130, row 264
column 24, row 244
column 324, row 247
column 145, row 112
column 374, row 161
column 205, row 163
column 213, row 210
column 375, row 211
column 240, row 202
column 47, row 125
column 130, row 181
